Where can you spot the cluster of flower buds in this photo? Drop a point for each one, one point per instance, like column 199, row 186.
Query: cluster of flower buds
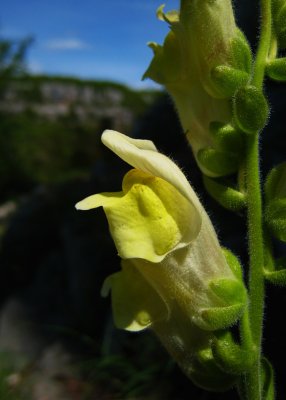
column 203, row 62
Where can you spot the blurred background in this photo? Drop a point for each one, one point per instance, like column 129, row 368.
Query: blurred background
column 69, row 70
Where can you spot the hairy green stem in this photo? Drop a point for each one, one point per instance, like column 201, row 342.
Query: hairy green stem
column 264, row 44
column 256, row 279
column 254, row 317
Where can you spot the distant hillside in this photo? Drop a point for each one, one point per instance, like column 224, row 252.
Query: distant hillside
column 50, row 127
column 56, row 97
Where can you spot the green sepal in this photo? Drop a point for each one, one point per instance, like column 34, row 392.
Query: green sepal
column 241, row 52
column 276, row 69
column 275, row 217
column 277, row 275
column 233, row 296
column 275, row 184
column 250, row 109
column 233, row 263
column 230, row 356
column 219, row 162
column 207, row 375
column 166, row 65
column 226, row 137
column 228, row 79
column 230, row 291
column 268, row 390
column 225, row 195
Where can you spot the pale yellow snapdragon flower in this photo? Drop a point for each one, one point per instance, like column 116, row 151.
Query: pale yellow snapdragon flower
column 173, row 268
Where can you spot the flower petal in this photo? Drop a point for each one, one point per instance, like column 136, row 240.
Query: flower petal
column 135, row 303
column 149, row 219
column 143, row 155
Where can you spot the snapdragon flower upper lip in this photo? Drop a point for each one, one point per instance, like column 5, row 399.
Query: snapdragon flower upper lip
column 143, row 155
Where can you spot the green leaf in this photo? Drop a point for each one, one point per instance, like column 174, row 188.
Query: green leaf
column 225, row 195
column 267, row 380
column 276, row 69
column 230, row 356
column 218, row 162
column 250, row 109
column 227, row 79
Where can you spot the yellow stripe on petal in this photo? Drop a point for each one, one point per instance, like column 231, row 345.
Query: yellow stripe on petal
column 135, row 303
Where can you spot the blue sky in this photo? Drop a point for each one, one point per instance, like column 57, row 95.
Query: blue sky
column 89, row 38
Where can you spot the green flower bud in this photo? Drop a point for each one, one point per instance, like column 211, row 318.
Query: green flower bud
column 276, row 69
column 225, row 195
column 220, row 163
column 275, row 216
column 228, row 79
column 250, row 109
column 208, row 375
column 276, row 274
column 275, row 185
column 230, row 356
column 241, row 52
column 226, row 137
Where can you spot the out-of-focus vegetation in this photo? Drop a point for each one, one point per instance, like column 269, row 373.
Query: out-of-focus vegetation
column 50, row 127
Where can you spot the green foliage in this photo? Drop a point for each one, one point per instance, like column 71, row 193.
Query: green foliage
column 8, row 391
column 250, row 109
column 38, row 149
column 33, row 150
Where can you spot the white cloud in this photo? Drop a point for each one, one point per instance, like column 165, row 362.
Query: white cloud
column 66, row 44
column 35, row 67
